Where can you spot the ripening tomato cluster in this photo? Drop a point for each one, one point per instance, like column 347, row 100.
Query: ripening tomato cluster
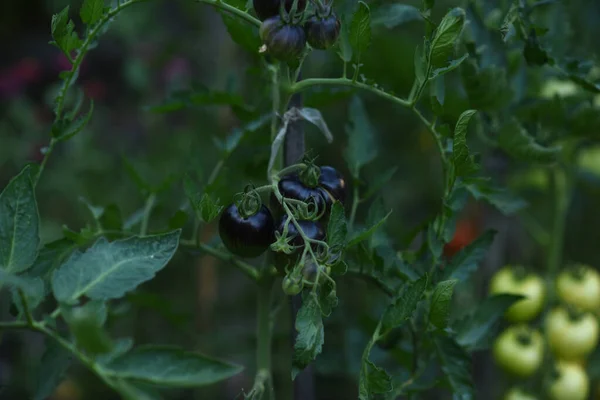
column 287, row 26
column 248, row 227
column 570, row 329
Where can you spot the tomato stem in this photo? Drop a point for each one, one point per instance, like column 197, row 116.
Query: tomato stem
column 263, row 333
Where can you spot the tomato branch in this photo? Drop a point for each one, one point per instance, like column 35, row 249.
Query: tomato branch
column 232, row 10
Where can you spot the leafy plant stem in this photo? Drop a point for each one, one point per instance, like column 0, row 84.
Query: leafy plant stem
column 147, row 212
column 274, row 69
column 355, row 202
column 47, row 155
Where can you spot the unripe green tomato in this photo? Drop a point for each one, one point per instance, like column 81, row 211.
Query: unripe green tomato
column 518, row 394
column 531, row 286
column 571, row 339
column 558, row 87
column 572, row 382
column 589, row 160
column 580, row 290
column 292, row 285
column 519, row 350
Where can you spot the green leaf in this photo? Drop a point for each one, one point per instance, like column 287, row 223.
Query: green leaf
column 445, row 37
column 373, row 380
column 488, row 89
column 327, row 298
column 405, row 304
column 517, row 142
column 345, row 48
column 360, row 29
column 394, row 15
column 111, row 218
column 242, row 33
column 64, row 130
column 85, row 323
column 473, row 331
column 32, row 286
column 205, row 207
column 53, row 365
column 50, row 257
column 361, row 148
column 440, row 303
column 506, row 202
column 337, row 230
column 108, row 270
column 464, row 164
column 120, row 347
column 467, row 260
column 311, row 336
column 365, row 234
column 19, row 224
column 170, row 366
column 62, row 29
column 456, row 364
column 91, row 11
column 451, row 66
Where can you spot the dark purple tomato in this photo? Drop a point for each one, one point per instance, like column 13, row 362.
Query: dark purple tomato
column 292, row 188
column 322, row 33
column 312, row 229
column 332, row 181
column 246, row 237
column 269, row 8
column 284, row 41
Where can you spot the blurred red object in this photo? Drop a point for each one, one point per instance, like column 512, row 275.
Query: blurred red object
column 467, row 230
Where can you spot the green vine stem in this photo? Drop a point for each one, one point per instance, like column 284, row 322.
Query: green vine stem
column 263, row 335
column 561, row 187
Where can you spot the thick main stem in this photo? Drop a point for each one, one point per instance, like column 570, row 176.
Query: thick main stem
column 263, row 334
column 561, row 198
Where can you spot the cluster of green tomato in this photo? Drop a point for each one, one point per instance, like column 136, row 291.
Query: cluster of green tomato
column 570, row 329
column 286, row 28
column 247, row 227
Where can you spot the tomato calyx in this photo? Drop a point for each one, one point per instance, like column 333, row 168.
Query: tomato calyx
column 310, row 175
column 524, row 338
column 248, row 202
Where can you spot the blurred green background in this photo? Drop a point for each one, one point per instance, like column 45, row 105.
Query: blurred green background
column 160, row 49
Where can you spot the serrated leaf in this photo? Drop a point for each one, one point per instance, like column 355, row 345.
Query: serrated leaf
column 488, row 88
column 467, row 260
column 445, row 37
column 365, row 234
column 63, row 33
column 506, row 202
column 345, row 48
column 170, row 366
column 451, row 66
column 456, row 364
column 361, row 148
column 327, row 298
column 64, row 130
column 209, row 209
column 53, row 365
column 311, row 336
column 91, row 11
column 517, row 142
column 464, row 164
column 481, row 324
column 360, row 29
column 85, row 323
column 108, row 270
column 440, row 303
column 394, row 15
column 242, row 33
column 19, row 224
column 337, row 229
column 373, row 380
column 405, row 304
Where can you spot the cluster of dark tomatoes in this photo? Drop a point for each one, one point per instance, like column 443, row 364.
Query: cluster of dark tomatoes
column 247, row 227
column 286, row 32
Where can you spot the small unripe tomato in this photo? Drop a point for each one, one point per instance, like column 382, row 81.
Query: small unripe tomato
column 518, row 394
column 284, row 41
column 519, row 350
column 322, row 32
column 571, row 338
column 531, row 286
column 572, row 382
column 292, row 285
column 580, row 288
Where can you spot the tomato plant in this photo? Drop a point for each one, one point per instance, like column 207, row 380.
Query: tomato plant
column 292, row 199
